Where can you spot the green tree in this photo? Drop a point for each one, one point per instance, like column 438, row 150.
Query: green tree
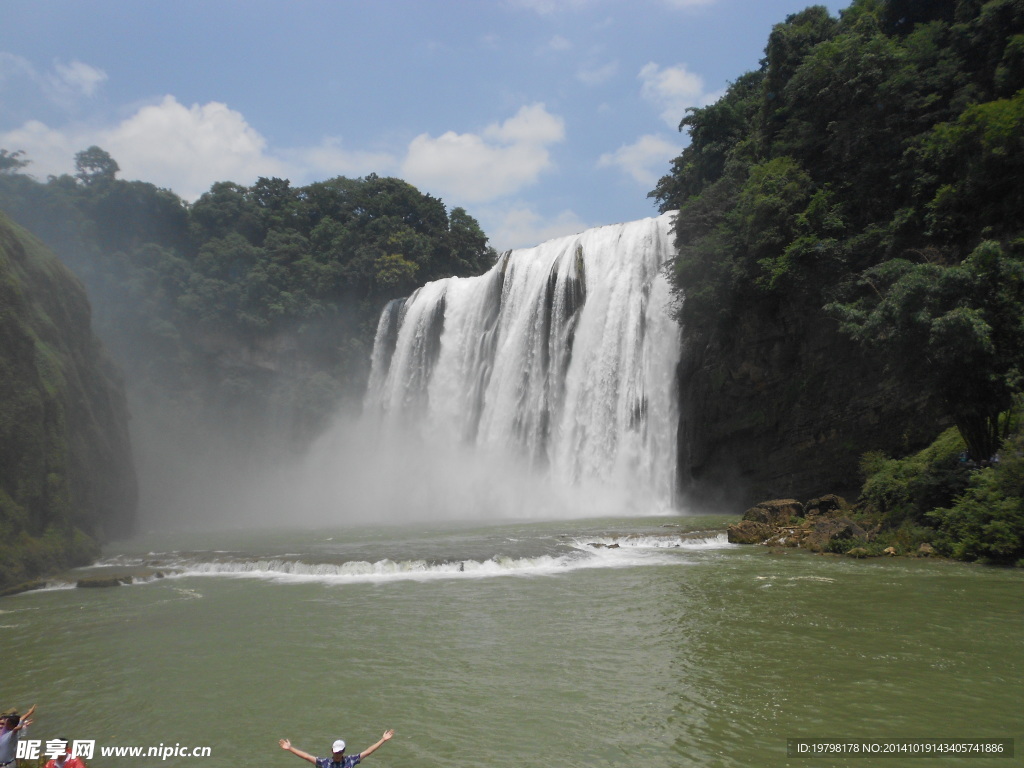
column 12, row 162
column 955, row 332
column 95, row 166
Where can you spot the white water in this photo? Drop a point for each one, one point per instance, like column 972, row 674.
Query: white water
column 557, row 556
column 550, row 377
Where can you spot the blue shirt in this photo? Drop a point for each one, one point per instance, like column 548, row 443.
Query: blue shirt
column 347, row 761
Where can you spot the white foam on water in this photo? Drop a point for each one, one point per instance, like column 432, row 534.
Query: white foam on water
column 584, row 553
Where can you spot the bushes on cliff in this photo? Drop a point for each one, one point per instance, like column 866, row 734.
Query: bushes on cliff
column 906, row 490
column 974, row 512
column 24, row 557
column 861, row 191
column 986, row 521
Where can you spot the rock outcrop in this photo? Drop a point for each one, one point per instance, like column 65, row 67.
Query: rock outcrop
column 826, row 524
column 66, row 474
column 820, row 525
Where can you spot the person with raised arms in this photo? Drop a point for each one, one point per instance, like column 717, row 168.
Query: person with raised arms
column 12, row 725
column 338, row 758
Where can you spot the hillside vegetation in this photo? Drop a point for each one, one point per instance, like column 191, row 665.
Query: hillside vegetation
column 850, row 244
column 242, row 321
column 256, row 300
column 66, row 473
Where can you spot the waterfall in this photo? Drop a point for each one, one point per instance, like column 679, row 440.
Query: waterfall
column 560, row 361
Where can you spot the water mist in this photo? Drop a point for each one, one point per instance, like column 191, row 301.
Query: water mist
column 545, row 387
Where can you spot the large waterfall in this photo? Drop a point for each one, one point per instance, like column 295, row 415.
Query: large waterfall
column 554, row 370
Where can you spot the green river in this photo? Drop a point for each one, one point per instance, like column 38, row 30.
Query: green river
column 640, row 642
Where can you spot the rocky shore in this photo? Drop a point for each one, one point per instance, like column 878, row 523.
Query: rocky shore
column 824, row 524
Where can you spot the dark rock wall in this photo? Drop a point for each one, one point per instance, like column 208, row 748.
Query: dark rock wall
column 785, row 405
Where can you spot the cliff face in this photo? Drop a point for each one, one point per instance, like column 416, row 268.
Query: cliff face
column 65, row 456
column 785, row 407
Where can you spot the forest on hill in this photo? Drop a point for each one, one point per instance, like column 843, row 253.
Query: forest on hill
column 864, row 188
column 258, row 299
column 243, row 321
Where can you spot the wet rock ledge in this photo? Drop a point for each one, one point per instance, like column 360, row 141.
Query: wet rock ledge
column 823, row 524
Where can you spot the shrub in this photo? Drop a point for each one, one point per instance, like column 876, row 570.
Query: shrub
column 905, row 490
column 986, row 521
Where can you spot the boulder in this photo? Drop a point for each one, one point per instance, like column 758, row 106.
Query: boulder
column 103, row 581
column 830, row 529
column 829, row 505
column 750, row 532
column 26, row 586
column 787, row 536
column 775, row 512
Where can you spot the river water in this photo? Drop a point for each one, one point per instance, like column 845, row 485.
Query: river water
column 499, row 645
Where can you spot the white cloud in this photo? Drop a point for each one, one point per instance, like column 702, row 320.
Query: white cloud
column 187, row 149
column 79, row 77
column 559, row 43
column 548, row 7
column 520, row 226
column 48, row 151
column 330, row 158
column 672, row 90
column 645, row 160
column 474, row 168
column 14, row 67
column 63, row 86
column 598, row 74
column 688, row 3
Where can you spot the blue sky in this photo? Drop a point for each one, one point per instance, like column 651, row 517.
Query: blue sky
column 540, row 117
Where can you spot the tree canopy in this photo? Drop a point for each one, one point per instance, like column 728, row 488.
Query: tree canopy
column 869, row 173
column 171, row 282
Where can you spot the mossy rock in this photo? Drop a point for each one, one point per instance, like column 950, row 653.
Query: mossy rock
column 25, row 586
column 775, row 512
column 103, row 581
column 750, row 532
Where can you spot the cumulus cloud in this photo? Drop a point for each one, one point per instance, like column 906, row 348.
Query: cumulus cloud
column 645, row 160
column 520, row 226
column 83, row 78
column 64, row 86
column 548, row 7
column 559, row 43
column 14, row 68
column 672, row 90
column 330, row 158
column 48, row 151
column 688, row 3
column 473, row 168
column 189, row 148
column 597, row 75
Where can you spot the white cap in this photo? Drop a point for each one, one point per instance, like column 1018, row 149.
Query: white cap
column 339, row 745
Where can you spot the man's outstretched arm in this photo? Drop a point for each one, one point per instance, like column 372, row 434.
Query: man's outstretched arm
column 287, row 745
column 371, row 749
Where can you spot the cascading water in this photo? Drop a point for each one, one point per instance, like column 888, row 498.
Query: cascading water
column 557, row 364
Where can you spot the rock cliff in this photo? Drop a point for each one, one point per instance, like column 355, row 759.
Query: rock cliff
column 786, row 406
column 66, row 472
